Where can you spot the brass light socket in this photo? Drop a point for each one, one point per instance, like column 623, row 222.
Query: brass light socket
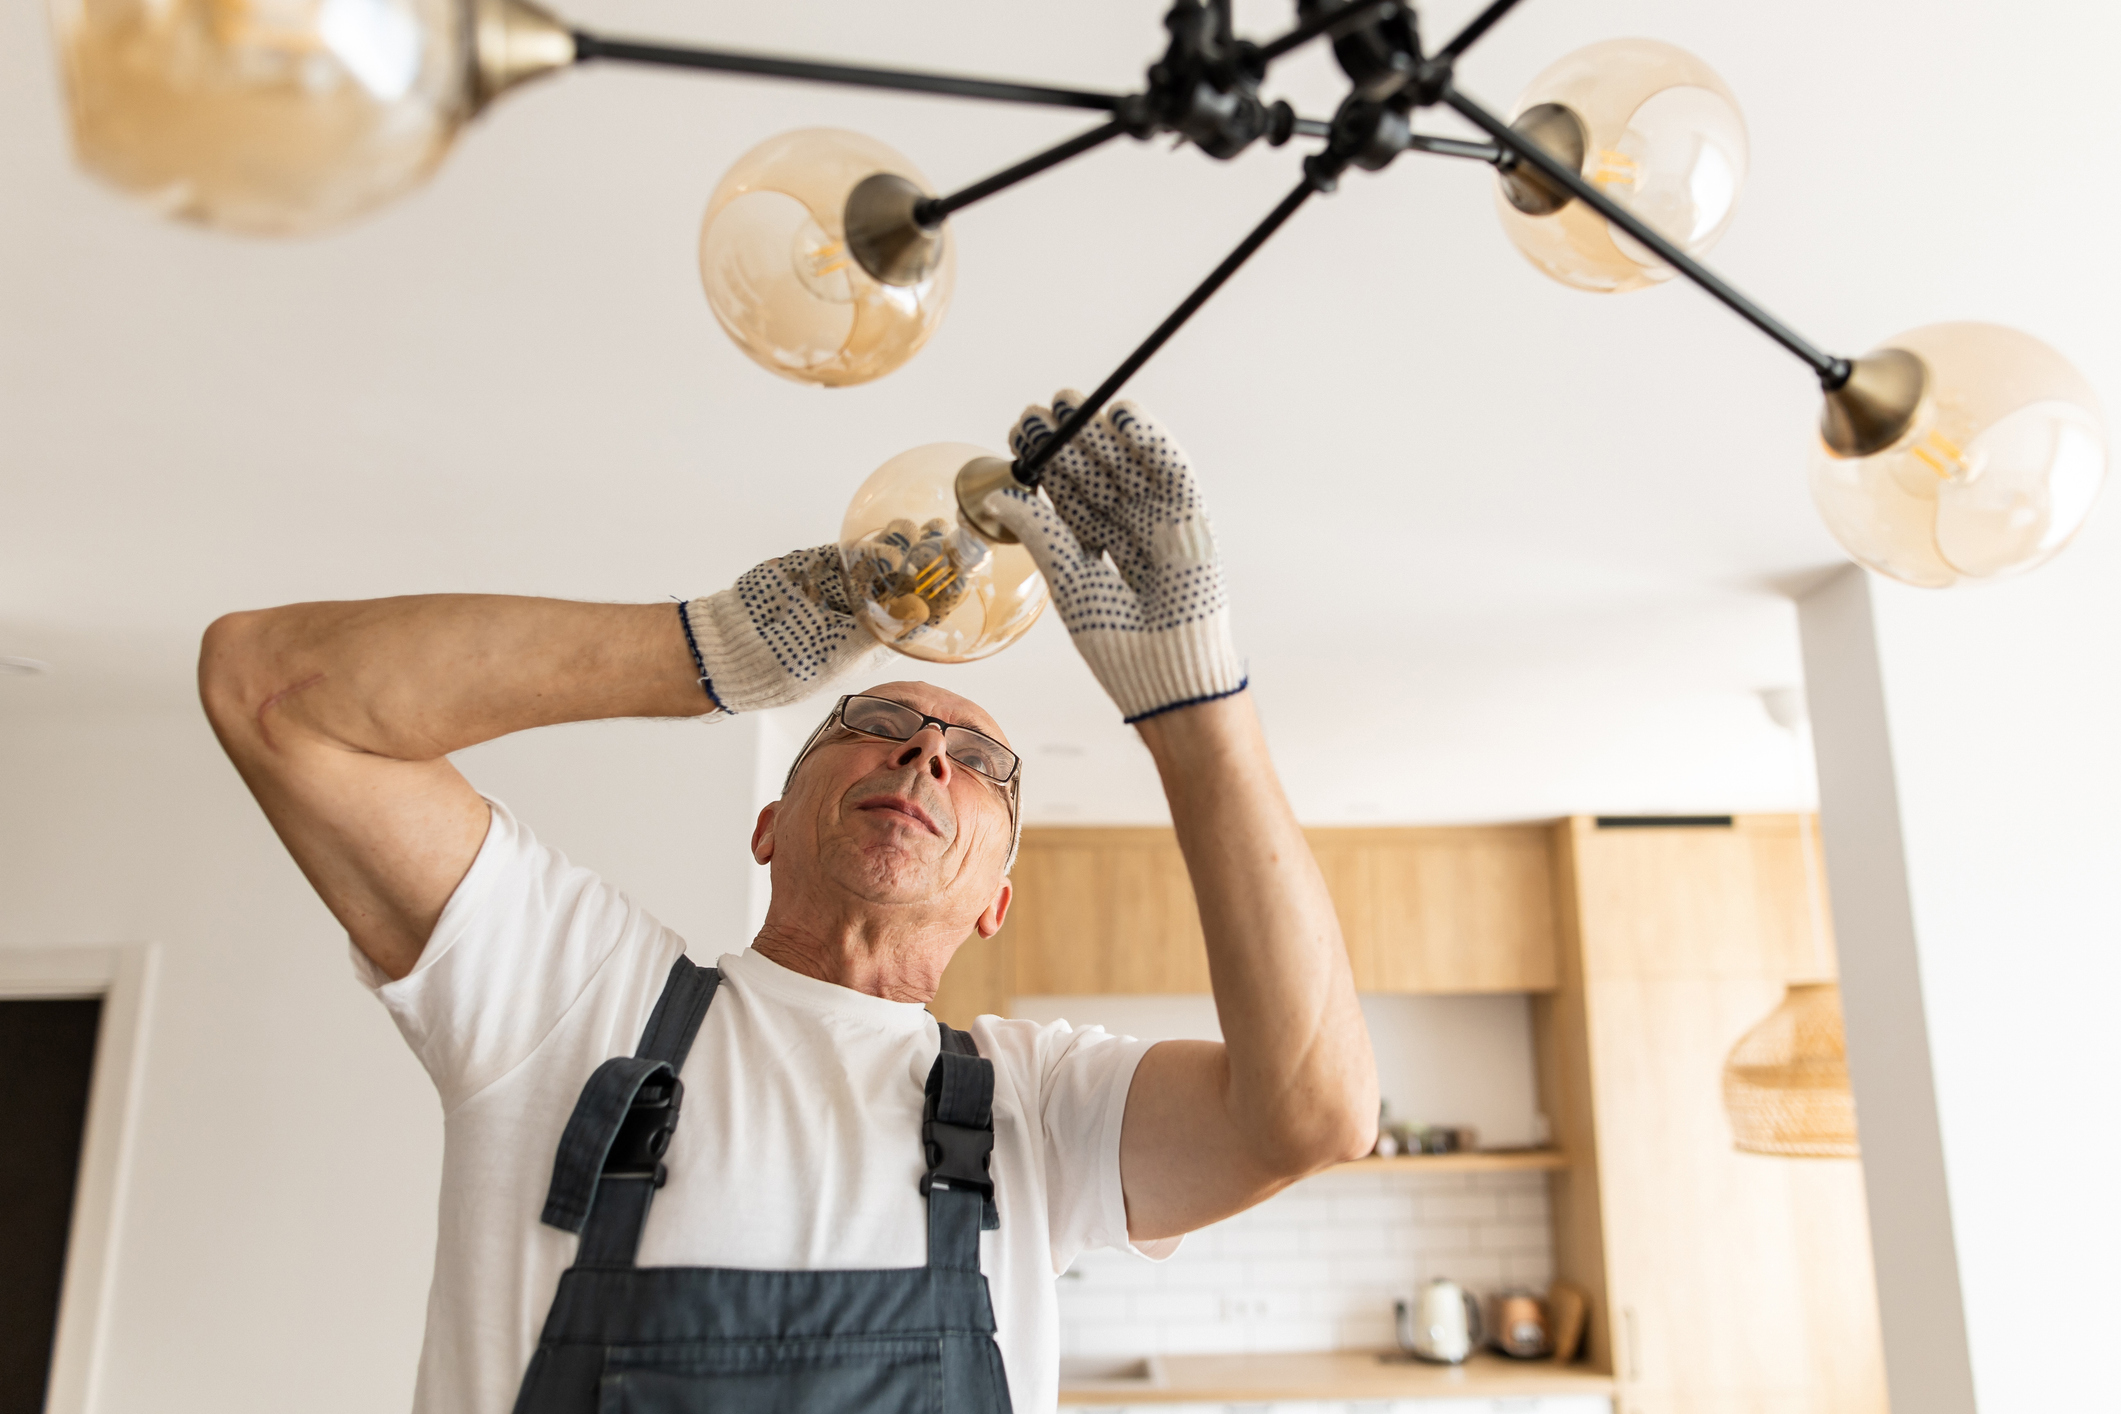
column 976, row 481
column 882, row 234
column 513, row 42
column 1877, row 405
column 1555, row 127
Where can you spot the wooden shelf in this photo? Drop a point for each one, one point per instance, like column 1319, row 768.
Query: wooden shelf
column 1498, row 1161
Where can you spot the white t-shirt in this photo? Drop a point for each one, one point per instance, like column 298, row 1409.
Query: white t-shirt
column 799, row 1147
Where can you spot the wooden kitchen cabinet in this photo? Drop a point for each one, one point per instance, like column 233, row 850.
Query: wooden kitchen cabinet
column 1104, row 911
column 1701, row 901
column 1110, row 910
column 1720, row 1282
column 1466, row 909
column 1095, row 911
column 1723, row 1283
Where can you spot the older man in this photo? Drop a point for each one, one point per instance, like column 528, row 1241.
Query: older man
column 860, row 1209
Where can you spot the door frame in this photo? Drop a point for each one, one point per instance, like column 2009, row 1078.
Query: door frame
column 121, row 975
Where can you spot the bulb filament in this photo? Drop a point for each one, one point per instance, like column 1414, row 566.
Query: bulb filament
column 933, row 579
column 828, row 259
column 1616, row 168
column 913, row 576
column 1941, row 455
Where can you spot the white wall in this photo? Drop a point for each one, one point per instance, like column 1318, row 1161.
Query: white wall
column 1454, row 1060
column 277, row 1231
column 1969, row 769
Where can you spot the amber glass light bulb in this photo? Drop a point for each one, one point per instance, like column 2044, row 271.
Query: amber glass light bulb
column 925, row 581
column 267, row 117
column 1655, row 129
column 1994, row 473
column 774, row 259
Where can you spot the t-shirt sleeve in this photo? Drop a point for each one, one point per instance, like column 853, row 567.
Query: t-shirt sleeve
column 516, row 946
column 1080, row 1079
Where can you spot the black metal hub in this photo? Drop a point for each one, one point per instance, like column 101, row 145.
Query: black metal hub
column 1368, row 134
column 1380, row 54
column 1206, row 87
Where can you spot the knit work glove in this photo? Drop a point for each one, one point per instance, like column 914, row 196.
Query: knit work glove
column 784, row 630
column 1123, row 540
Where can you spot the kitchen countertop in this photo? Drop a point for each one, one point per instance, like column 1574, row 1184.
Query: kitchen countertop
column 1333, row 1374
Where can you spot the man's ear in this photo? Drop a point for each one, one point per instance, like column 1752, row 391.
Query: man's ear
column 762, row 835
column 990, row 922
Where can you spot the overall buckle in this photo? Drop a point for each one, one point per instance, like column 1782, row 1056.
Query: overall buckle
column 959, row 1156
column 644, row 1135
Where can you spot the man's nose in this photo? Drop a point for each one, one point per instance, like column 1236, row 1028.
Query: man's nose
column 925, row 749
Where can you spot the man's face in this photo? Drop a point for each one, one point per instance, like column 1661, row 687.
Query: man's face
column 894, row 823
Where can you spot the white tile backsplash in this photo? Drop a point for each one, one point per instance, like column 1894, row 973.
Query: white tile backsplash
column 1316, row 1267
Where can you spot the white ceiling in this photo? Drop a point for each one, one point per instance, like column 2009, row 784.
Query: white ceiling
column 1522, row 545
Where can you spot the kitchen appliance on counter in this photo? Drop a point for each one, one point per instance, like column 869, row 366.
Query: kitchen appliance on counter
column 1441, row 1324
column 1520, row 1328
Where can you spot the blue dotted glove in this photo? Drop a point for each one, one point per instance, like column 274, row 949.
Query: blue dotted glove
column 784, row 630
column 1124, row 542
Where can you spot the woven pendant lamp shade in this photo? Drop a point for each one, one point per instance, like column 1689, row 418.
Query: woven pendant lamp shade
column 1786, row 1082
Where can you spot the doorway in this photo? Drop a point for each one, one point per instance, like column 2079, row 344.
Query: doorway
column 47, row 1060
column 72, row 1046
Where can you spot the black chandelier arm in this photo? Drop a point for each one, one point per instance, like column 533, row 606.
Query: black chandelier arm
column 1479, row 25
column 1323, row 24
column 932, row 212
column 1028, row 470
column 590, row 46
column 1832, row 371
column 1457, row 147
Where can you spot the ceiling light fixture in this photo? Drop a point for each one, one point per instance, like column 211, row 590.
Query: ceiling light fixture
column 1786, row 1082
column 1951, row 454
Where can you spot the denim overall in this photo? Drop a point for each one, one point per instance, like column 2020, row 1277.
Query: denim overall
column 626, row 1339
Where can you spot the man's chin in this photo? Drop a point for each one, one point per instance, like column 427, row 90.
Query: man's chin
column 888, row 873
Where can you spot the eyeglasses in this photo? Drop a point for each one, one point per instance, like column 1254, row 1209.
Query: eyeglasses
column 886, row 720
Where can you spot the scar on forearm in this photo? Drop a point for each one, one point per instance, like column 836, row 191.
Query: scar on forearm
column 264, row 731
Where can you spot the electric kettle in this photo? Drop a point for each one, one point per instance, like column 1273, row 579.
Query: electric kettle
column 1441, row 1323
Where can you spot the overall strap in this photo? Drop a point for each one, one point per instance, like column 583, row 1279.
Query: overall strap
column 610, row 1158
column 957, row 1136
column 687, row 993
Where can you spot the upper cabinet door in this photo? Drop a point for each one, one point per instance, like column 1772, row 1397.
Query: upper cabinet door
column 1444, row 910
column 1110, row 910
column 1104, row 911
column 1747, row 899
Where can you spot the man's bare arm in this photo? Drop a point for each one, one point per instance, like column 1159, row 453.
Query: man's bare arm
column 1212, row 1129
column 340, row 718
